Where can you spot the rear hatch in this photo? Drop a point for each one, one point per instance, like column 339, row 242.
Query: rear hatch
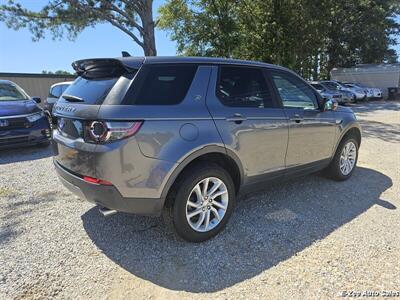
column 99, row 82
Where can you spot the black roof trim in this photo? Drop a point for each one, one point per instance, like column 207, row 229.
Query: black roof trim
column 134, row 62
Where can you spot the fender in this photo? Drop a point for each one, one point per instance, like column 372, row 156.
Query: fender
column 191, row 157
column 344, row 130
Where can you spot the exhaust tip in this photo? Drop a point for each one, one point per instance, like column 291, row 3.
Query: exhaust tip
column 106, row 212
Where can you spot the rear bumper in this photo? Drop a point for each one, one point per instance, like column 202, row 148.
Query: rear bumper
column 38, row 133
column 108, row 196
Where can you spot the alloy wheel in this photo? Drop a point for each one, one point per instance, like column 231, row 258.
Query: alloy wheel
column 348, row 158
column 207, row 204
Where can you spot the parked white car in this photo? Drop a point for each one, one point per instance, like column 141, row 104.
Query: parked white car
column 55, row 91
column 371, row 92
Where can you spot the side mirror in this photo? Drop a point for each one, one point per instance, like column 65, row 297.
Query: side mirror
column 329, row 104
column 37, row 99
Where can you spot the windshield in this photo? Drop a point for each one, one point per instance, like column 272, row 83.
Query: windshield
column 332, row 85
column 11, row 92
column 317, row 86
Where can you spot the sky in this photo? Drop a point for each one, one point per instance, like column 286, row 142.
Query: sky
column 18, row 53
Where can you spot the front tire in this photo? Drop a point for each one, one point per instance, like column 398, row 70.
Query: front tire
column 345, row 160
column 204, row 201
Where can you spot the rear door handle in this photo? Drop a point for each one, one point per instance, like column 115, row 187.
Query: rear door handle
column 297, row 118
column 237, row 118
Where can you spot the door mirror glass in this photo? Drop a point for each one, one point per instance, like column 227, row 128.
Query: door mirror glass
column 329, row 104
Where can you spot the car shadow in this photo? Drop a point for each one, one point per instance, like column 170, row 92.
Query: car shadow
column 374, row 106
column 379, row 130
column 12, row 155
column 267, row 227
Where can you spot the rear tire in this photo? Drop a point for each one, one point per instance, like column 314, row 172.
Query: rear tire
column 204, row 199
column 344, row 162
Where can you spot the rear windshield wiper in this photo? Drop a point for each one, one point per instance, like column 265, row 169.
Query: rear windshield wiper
column 72, row 98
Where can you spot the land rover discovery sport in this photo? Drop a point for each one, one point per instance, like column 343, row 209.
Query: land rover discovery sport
column 182, row 135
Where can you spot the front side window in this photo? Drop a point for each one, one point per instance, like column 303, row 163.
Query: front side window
column 293, row 92
column 243, row 87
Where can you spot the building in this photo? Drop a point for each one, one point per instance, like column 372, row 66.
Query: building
column 381, row 76
column 36, row 84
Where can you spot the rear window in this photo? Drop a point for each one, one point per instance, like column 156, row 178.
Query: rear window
column 91, row 91
column 161, row 85
column 55, row 92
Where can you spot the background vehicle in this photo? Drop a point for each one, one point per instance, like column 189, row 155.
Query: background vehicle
column 359, row 94
column 184, row 135
column 347, row 97
column 324, row 92
column 55, row 92
column 374, row 93
column 22, row 121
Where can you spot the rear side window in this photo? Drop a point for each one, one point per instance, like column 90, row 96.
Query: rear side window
column 91, row 91
column 243, row 87
column 161, row 84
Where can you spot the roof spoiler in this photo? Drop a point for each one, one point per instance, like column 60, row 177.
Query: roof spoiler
column 100, row 67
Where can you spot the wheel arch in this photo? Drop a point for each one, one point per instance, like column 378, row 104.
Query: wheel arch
column 216, row 154
column 354, row 130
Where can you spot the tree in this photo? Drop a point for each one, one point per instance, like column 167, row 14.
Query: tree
column 309, row 36
column 133, row 17
column 205, row 28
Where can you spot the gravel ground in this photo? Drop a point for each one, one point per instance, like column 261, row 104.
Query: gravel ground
column 306, row 238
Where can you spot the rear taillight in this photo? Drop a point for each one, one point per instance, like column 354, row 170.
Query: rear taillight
column 108, row 131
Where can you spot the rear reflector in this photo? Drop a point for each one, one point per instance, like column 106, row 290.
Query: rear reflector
column 96, row 180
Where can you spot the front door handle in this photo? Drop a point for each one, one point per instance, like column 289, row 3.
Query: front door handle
column 297, row 118
column 237, row 118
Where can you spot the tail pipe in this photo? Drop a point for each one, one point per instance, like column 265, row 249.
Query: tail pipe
column 106, row 212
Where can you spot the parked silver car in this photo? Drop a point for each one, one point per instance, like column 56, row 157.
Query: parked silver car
column 183, row 135
column 359, row 94
column 373, row 93
column 324, row 92
column 347, row 97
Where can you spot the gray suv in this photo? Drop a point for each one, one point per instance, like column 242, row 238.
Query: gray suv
column 181, row 136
